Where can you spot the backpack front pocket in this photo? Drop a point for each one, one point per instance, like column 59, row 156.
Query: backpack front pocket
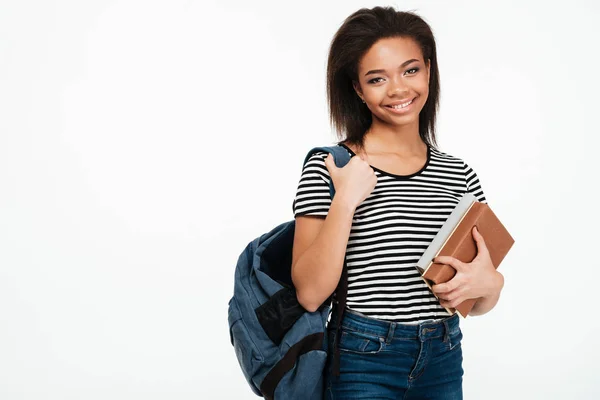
column 246, row 351
column 305, row 380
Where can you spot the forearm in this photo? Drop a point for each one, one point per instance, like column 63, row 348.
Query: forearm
column 487, row 303
column 318, row 270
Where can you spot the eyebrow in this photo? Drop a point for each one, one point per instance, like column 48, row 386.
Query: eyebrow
column 378, row 71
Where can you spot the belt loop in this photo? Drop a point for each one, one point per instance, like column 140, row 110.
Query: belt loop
column 390, row 334
column 446, row 331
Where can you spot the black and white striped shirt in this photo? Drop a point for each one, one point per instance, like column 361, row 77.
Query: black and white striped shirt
column 390, row 231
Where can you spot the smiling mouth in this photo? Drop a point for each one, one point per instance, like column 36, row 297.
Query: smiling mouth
column 401, row 106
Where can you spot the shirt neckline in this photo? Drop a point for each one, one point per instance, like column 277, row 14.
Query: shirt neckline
column 395, row 175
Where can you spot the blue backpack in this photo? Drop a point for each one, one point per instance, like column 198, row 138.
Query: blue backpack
column 281, row 347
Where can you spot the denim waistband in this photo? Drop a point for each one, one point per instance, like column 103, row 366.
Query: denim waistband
column 389, row 330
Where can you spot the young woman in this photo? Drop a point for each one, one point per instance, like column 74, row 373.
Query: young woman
column 396, row 338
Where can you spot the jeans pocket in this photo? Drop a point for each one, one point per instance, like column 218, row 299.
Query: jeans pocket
column 360, row 342
column 454, row 338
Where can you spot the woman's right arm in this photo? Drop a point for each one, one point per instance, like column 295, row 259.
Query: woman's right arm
column 319, row 252
column 320, row 245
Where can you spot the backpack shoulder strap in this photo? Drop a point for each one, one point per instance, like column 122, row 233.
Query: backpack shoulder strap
column 341, row 157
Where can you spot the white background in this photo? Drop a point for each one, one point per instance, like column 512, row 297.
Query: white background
column 143, row 144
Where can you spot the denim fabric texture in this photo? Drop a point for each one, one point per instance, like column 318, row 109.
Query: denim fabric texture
column 388, row 360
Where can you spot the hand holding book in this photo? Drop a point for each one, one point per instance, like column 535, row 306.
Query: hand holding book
column 453, row 256
column 473, row 280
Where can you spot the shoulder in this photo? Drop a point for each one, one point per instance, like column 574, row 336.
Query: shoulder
column 439, row 156
column 318, row 156
column 316, row 161
column 315, row 168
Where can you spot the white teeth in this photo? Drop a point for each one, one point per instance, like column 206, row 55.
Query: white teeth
column 402, row 105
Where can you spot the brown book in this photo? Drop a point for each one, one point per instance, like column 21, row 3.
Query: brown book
column 455, row 239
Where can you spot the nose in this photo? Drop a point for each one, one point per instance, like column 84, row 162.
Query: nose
column 398, row 88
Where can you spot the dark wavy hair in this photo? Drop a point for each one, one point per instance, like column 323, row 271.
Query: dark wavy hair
column 347, row 114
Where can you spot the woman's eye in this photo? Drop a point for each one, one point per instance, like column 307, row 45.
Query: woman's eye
column 376, row 80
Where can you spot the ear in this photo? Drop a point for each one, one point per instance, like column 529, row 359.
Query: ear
column 357, row 88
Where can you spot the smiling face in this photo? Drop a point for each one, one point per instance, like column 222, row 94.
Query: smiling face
column 393, row 80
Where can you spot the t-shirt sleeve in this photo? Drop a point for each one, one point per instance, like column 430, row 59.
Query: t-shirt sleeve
column 473, row 184
column 312, row 195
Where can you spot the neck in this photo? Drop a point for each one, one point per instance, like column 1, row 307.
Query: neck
column 403, row 140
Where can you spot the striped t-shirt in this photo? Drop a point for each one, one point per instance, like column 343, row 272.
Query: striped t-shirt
column 390, row 231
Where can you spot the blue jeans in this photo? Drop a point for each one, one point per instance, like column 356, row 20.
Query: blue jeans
column 388, row 360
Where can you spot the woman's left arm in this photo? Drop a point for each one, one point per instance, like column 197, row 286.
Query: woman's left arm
column 475, row 280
